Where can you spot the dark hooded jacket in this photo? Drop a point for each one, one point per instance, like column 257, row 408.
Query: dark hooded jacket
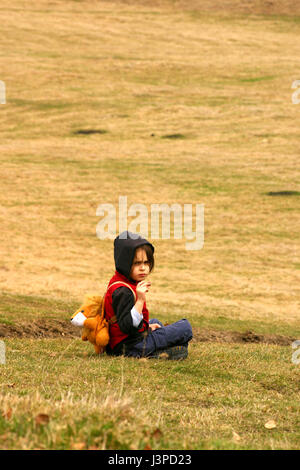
column 124, row 250
column 120, row 299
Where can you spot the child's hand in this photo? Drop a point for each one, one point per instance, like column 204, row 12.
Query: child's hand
column 141, row 289
column 154, row 326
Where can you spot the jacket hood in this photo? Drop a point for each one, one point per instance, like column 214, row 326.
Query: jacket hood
column 124, row 249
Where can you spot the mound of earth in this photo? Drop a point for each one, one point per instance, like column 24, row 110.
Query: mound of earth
column 40, row 328
column 48, row 328
column 201, row 335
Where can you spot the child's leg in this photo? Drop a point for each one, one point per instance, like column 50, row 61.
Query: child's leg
column 178, row 333
column 175, row 334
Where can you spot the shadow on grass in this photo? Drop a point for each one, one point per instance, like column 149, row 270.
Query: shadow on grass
column 283, row 193
column 173, row 136
column 89, row 131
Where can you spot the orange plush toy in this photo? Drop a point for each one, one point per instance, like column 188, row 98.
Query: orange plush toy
column 90, row 316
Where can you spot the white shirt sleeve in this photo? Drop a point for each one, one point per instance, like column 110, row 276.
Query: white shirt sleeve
column 136, row 317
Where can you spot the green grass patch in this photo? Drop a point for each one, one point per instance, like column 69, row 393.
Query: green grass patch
column 256, row 79
column 227, row 394
column 14, row 307
column 42, row 105
column 5, row 321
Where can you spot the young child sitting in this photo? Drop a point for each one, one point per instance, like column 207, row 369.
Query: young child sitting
column 131, row 332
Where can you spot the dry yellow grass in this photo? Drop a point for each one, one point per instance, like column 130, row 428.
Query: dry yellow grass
column 222, row 80
column 218, row 73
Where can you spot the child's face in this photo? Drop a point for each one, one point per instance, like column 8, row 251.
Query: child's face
column 140, row 266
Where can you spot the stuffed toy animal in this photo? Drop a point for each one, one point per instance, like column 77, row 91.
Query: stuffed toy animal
column 90, row 316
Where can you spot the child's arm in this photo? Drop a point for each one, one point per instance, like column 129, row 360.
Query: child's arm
column 128, row 318
column 141, row 290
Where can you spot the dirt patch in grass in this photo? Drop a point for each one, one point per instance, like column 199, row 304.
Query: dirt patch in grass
column 218, row 336
column 40, row 329
column 60, row 328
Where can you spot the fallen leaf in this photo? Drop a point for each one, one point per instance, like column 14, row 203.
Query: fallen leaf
column 157, row 434
column 41, row 419
column 236, row 436
column 163, row 356
column 78, row 445
column 7, row 414
column 270, row 424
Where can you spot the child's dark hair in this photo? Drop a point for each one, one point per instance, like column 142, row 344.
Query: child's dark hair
column 149, row 253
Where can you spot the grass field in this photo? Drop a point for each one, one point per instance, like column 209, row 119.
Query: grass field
column 162, row 102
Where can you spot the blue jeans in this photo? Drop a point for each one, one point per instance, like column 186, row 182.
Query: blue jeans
column 178, row 333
